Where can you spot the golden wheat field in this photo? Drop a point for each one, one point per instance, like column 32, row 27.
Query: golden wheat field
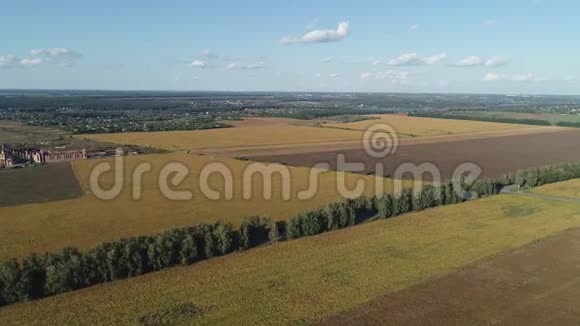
column 305, row 280
column 422, row 127
column 86, row 221
column 569, row 189
column 229, row 137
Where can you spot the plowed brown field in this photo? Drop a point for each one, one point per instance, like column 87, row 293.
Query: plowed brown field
column 496, row 156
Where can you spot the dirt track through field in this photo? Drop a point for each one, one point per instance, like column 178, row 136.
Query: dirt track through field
column 496, row 156
column 538, row 284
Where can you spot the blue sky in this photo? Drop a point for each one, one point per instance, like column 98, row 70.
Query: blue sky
column 516, row 46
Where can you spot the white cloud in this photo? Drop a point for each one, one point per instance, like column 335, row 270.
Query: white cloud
column 515, row 77
column 376, row 62
column 199, row 64
column 495, row 61
column 469, row 62
column 435, row 59
column 320, row 35
column 474, row 61
column 325, row 60
column 331, row 75
column 40, row 56
column 406, row 59
column 411, row 59
column 395, row 77
column 8, row 60
column 245, row 66
column 31, row 62
column 55, row 54
column 414, row 27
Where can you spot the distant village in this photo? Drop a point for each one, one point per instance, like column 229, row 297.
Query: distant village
column 17, row 156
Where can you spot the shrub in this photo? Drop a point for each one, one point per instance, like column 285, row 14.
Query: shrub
column 294, row 227
column 404, row 202
column 223, row 235
column 256, row 230
column 312, row 223
column 189, row 252
column 13, row 290
column 33, row 276
column 63, row 271
column 427, row 198
column 385, row 206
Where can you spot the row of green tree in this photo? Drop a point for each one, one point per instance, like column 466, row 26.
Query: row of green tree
column 568, row 124
column 536, row 122
column 535, row 177
column 38, row 276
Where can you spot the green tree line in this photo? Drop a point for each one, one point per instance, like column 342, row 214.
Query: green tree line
column 535, row 122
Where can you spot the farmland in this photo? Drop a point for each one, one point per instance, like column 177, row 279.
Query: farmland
column 533, row 285
column 313, row 278
column 421, row 127
column 495, row 155
column 263, row 132
column 39, row 184
column 230, row 137
column 568, row 189
column 297, row 281
column 53, row 225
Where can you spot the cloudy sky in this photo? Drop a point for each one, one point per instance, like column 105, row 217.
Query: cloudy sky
column 516, row 46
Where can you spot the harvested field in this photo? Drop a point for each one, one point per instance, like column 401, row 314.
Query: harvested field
column 229, row 137
column 277, row 132
column 538, row 284
column 421, row 127
column 87, row 221
column 313, row 278
column 495, row 155
column 568, row 189
column 38, row 184
column 251, row 151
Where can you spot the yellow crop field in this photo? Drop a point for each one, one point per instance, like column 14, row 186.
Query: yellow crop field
column 305, row 280
column 569, row 189
column 229, row 137
column 421, row 127
column 87, row 221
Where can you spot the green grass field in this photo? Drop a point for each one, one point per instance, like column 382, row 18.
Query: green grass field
column 305, row 280
column 55, row 181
